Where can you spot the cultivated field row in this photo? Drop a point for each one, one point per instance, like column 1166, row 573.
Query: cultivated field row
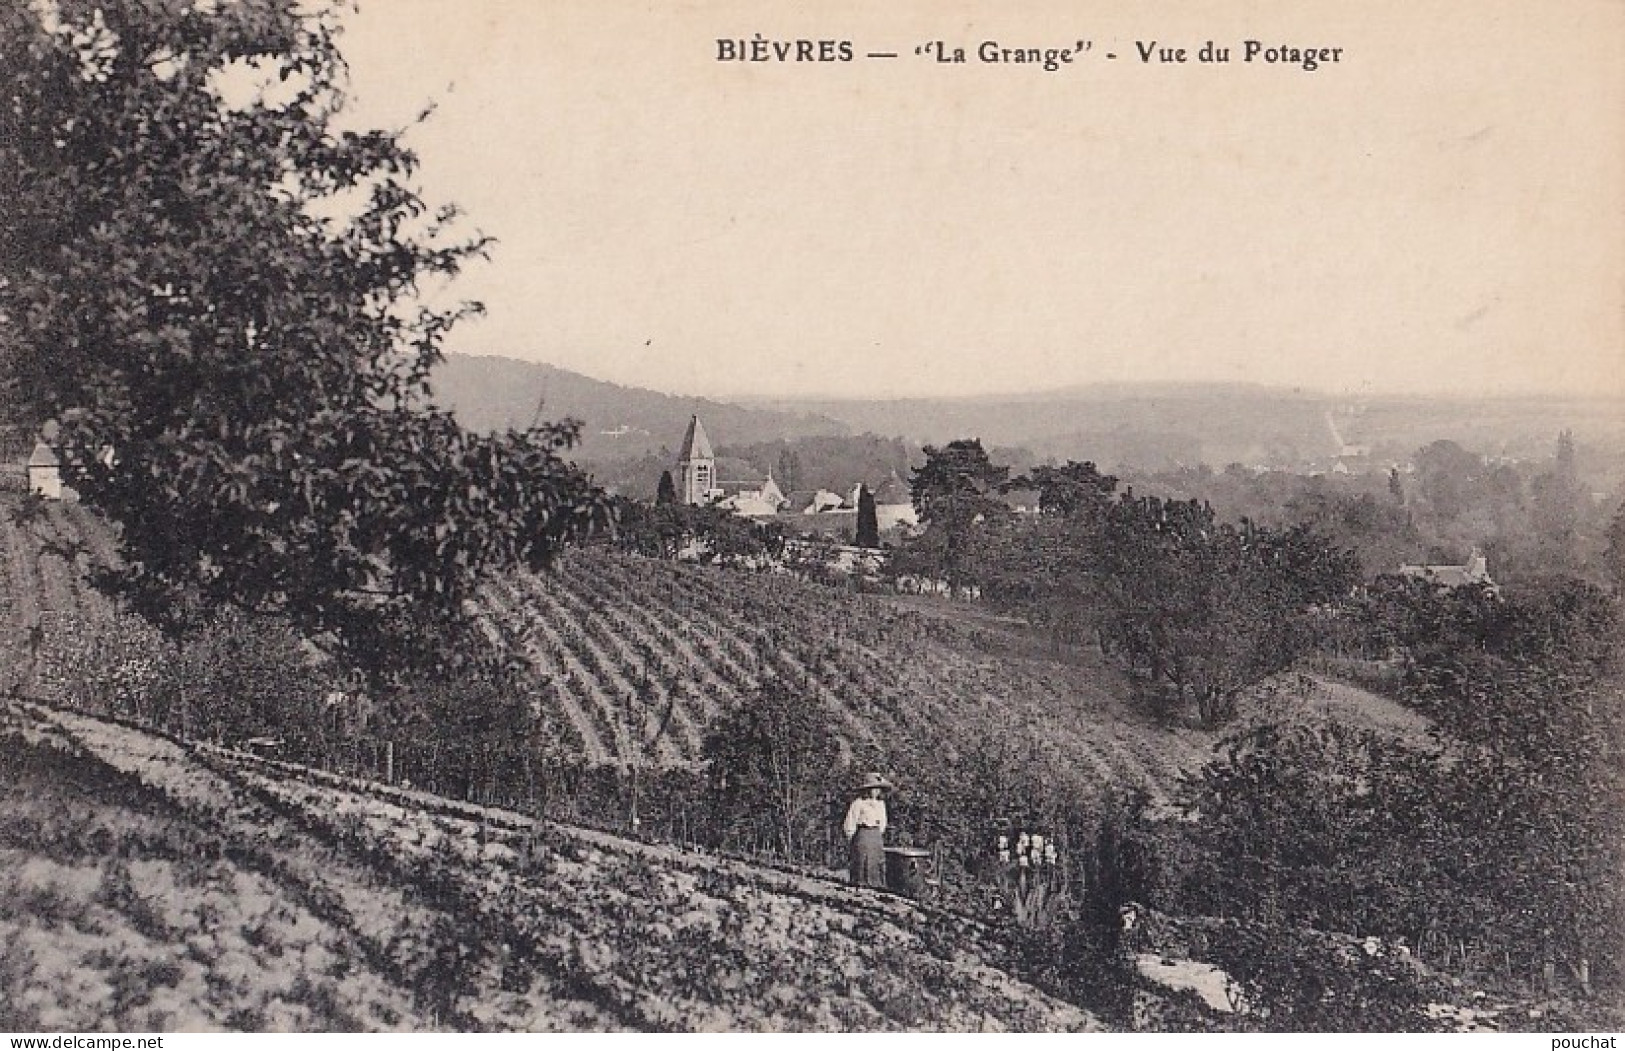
column 638, row 658
column 337, row 904
column 625, row 639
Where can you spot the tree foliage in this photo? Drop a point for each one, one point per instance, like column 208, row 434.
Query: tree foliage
column 215, row 289
column 774, row 768
column 956, row 495
column 1499, row 835
column 868, row 532
column 1614, row 557
column 666, row 492
column 1205, row 609
column 1510, row 850
column 1531, row 517
column 957, row 482
column 1049, row 568
column 709, row 535
column 1072, row 490
column 1198, row 608
column 788, row 468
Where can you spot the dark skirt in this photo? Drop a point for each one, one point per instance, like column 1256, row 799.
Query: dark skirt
column 868, row 859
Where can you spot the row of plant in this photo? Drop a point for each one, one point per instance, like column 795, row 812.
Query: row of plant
column 880, row 673
column 21, row 559
column 671, row 670
column 578, row 695
column 657, row 708
column 133, row 903
column 646, row 937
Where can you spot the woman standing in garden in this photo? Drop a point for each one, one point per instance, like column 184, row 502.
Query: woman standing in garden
column 865, row 828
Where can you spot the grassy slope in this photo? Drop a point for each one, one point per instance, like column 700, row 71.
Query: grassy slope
column 122, row 910
column 266, row 901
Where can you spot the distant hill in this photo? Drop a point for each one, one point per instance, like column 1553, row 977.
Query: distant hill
column 1154, row 426
column 490, row 393
column 1121, row 426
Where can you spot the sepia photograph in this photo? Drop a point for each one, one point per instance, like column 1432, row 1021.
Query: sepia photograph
column 869, row 516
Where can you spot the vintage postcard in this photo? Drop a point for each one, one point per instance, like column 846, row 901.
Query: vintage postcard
column 844, row 517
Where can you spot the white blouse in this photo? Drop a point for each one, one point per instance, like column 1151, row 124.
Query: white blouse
column 865, row 813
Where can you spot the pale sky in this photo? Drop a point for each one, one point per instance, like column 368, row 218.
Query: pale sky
column 1441, row 210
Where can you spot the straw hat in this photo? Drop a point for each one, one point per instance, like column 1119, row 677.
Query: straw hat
column 873, row 780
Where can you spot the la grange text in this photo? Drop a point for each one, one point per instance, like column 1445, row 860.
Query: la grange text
column 1050, row 58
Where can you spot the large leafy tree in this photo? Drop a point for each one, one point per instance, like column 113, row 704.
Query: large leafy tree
column 218, row 293
column 1073, row 490
column 1557, row 506
column 1204, row 609
column 956, row 494
column 957, row 481
column 1614, row 556
column 1448, row 480
column 1049, row 571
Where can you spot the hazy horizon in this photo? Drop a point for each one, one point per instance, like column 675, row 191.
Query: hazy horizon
column 749, row 399
column 1437, row 213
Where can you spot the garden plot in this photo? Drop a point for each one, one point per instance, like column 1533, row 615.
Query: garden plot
column 482, row 920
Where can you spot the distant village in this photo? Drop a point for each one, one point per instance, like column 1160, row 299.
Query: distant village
column 703, row 479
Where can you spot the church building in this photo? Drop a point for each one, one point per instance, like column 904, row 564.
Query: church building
column 696, row 466
column 700, row 479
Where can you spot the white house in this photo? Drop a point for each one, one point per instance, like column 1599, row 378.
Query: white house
column 894, row 505
column 761, row 501
column 824, row 501
column 1474, row 572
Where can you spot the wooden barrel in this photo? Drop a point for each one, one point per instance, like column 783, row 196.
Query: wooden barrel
column 907, row 869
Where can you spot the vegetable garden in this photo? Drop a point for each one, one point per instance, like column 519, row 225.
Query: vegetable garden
column 272, row 897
